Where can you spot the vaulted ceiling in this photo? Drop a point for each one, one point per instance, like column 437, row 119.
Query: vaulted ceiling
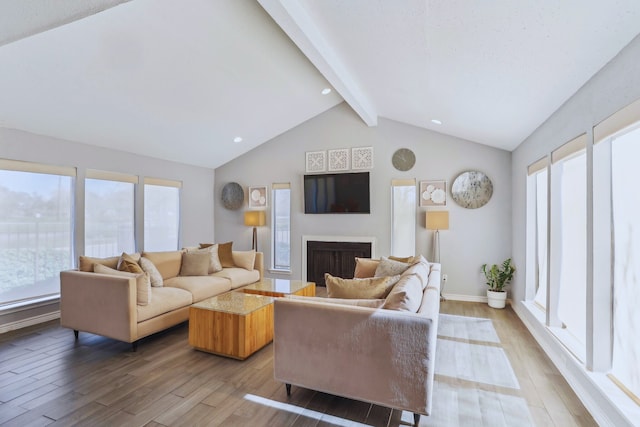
column 182, row 80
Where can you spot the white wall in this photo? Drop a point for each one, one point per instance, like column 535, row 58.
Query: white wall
column 475, row 236
column 612, row 88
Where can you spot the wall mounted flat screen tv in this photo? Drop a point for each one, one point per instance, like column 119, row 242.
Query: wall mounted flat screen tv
column 337, row 193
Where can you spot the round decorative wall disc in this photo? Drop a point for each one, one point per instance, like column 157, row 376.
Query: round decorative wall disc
column 232, row 196
column 472, row 189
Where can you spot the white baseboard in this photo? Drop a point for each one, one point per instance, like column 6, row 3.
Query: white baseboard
column 586, row 385
column 29, row 321
column 466, row 298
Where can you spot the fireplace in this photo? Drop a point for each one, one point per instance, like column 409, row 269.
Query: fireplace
column 335, row 256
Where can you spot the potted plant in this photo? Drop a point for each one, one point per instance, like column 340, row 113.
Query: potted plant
column 498, row 276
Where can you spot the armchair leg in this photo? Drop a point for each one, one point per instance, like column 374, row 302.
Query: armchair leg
column 288, row 387
column 75, row 332
column 416, row 419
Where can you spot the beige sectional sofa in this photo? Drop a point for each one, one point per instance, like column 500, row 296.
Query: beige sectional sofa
column 120, row 305
column 380, row 351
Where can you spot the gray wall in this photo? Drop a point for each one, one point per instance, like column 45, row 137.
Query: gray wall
column 475, row 236
column 197, row 197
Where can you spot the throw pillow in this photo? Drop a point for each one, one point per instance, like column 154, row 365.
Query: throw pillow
column 406, row 295
column 86, row 263
column 365, row 267
column 389, row 267
column 367, row 288
column 195, row 264
column 129, row 264
column 143, row 285
column 212, row 250
column 407, row 259
column 225, row 253
column 154, row 275
column 244, row 259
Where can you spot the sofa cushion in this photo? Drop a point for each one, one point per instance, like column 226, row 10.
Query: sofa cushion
column 406, row 259
column 244, row 259
column 420, row 268
column 195, row 264
column 87, row 263
column 406, row 295
column 168, row 263
column 238, row 276
column 214, row 262
column 365, row 267
column 152, row 271
column 200, row 287
column 389, row 267
column 143, row 285
column 372, row 287
column 164, row 300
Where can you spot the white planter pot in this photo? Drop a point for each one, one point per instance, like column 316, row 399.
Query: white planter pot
column 497, row 299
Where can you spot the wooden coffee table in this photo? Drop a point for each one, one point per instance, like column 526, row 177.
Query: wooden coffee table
column 280, row 288
column 233, row 324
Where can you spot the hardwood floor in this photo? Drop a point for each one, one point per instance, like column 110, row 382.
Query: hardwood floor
column 47, row 378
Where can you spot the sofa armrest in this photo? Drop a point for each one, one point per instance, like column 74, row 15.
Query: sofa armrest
column 99, row 303
column 379, row 356
column 258, row 264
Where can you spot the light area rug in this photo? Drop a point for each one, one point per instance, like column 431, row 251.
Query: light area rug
column 467, row 328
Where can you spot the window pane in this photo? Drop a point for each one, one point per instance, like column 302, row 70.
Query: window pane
column 35, row 233
column 108, row 218
column 161, row 218
column 626, row 220
column 541, row 238
column 282, row 229
column 573, row 240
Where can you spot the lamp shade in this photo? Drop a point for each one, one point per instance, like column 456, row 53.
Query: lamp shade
column 254, row 218
column 437, row 220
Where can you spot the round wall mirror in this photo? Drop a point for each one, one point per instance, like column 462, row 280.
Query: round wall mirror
column 472, row 189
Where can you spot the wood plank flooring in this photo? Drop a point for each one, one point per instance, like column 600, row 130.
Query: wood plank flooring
column 47, row 378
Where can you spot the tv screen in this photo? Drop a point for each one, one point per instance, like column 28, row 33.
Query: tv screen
column 337, row 193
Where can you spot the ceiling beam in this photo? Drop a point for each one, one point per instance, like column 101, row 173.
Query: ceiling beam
column 299, row 26
column 25, row 18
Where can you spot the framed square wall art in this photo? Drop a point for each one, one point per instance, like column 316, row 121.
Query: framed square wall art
column 433, row 193
column 338, row 159
column 258, row 197
column 362, row 158
column 316, row 161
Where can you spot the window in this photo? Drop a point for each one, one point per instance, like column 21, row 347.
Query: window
column 109, row 214
column 281, row 196
column 537, row 249
column 569, row 243
column 625, row 152
column 161, row 215
column 403, row 217
column 36, row 224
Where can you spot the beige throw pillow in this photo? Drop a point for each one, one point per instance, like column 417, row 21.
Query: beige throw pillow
column 366, row 288
column 406, row 295
column 143, row 285
column 225, row 253
column 86, row 263
column 154, row 275
column 389, row 267
column 195, row 264
column 214, row 264
column 365, row 267
column 129, row 263
column 244, row 259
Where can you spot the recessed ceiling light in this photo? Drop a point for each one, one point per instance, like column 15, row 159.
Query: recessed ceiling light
column 326, row 91
column 436, row 121
column 237, row 139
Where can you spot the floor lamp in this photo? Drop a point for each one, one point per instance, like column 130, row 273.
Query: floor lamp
column 437, row 220
column 254, row 219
